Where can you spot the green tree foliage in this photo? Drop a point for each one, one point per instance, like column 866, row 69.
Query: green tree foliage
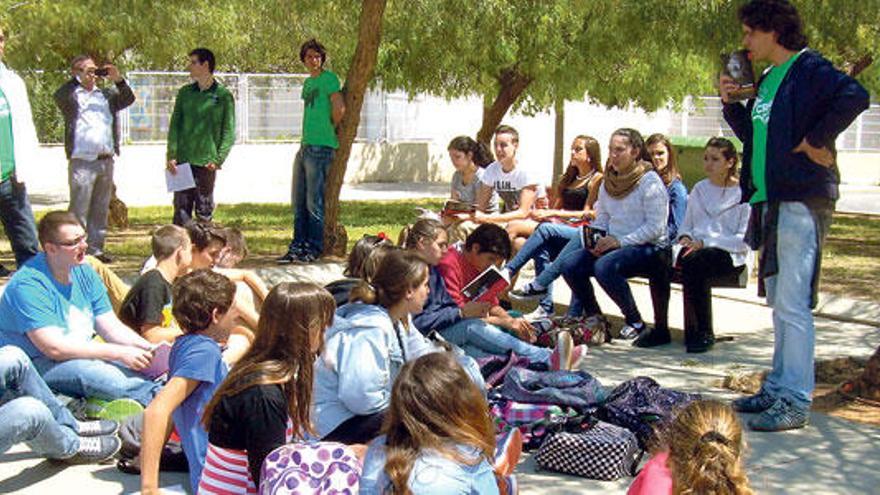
column 525, row 55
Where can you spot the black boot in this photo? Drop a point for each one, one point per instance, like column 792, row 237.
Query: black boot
column 652, row 337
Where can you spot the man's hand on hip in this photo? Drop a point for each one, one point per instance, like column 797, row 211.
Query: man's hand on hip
column 821, row 156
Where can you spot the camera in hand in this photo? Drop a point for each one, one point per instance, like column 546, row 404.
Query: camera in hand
column 103, row 71
column 738, row 66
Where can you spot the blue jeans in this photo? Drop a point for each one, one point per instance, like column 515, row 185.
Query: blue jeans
column 551, row 241
column 30, row 412
column 91, row 187
column 307, row 196
column 612, row 270
column 480, row 339
column 95, row 378
column 18, row 220
column 789, row 293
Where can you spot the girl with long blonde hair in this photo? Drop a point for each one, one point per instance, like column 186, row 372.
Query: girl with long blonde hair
column 434, row 441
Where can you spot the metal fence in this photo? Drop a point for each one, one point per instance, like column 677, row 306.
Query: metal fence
column 702, row 118
column 269, row 109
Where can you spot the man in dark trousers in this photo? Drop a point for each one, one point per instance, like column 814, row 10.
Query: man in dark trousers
column 18, row 149
column 201, row 134
column 790, row 177
column 91, row 140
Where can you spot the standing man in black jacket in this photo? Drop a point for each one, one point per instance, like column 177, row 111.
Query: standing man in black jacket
column 91, row 140
column 790, row 177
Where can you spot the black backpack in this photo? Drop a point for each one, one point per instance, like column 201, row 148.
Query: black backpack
column 642, row 406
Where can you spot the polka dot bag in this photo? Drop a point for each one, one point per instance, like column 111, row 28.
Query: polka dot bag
column 325, row 468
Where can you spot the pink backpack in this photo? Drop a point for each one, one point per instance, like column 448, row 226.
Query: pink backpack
column 311, row 468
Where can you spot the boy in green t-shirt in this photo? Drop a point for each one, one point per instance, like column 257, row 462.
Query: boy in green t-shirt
column 324, row 108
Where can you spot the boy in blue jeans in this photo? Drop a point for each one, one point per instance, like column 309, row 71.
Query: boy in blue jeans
column 197, row 367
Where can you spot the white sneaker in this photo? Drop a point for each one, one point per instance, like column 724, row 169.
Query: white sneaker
column 538, row 314
column 629, row 332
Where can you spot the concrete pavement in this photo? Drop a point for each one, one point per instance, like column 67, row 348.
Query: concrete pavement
column 830, row 456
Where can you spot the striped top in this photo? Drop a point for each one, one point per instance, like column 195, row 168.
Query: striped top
column 226, row 471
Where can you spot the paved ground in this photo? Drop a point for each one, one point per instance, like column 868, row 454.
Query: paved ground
column 830, row 456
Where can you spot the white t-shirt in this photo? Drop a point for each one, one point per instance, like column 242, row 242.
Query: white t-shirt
column 508, row 185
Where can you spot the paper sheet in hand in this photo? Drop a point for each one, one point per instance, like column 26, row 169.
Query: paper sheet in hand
column 182, row 180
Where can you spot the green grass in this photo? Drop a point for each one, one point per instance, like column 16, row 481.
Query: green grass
column 850, row 264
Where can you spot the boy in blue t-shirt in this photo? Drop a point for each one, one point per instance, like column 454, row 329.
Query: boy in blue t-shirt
column 200, row 300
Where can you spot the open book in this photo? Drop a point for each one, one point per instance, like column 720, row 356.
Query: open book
column 591, row 235
column 738, row 67
column 159, row 365
column 453, row 206
column 487, row 285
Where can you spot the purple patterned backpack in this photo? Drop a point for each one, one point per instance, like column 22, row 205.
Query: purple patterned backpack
column 310, row 468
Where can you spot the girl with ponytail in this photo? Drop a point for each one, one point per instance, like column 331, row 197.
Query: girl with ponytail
column 703, row 453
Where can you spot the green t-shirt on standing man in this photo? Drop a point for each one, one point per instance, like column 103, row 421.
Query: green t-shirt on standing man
column 7, row 143
column 318, row 129
column 760, row 120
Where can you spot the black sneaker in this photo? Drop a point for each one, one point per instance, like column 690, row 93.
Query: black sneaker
column 95, row 449
column 652, row 337
column 307, row 258
column 286, row 259
column 97, row 428
column 527, row 293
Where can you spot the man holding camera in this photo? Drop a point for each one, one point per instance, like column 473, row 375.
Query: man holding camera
column 91, row 139
column 790, row 177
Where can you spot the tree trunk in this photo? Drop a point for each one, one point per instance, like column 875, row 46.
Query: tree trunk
column 855, row 67
column 867, row 385
column 559, row 145
column 117, row 215
column 512, row 84
column 360, row 73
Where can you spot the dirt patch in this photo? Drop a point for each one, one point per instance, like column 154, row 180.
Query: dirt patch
column 827, row 398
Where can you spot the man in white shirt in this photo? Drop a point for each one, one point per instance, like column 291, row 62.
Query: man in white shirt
column 91, row 139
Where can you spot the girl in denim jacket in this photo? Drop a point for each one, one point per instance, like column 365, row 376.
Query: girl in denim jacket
column 435, row 442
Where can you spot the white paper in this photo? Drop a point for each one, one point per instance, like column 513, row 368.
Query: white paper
column 182, row 180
